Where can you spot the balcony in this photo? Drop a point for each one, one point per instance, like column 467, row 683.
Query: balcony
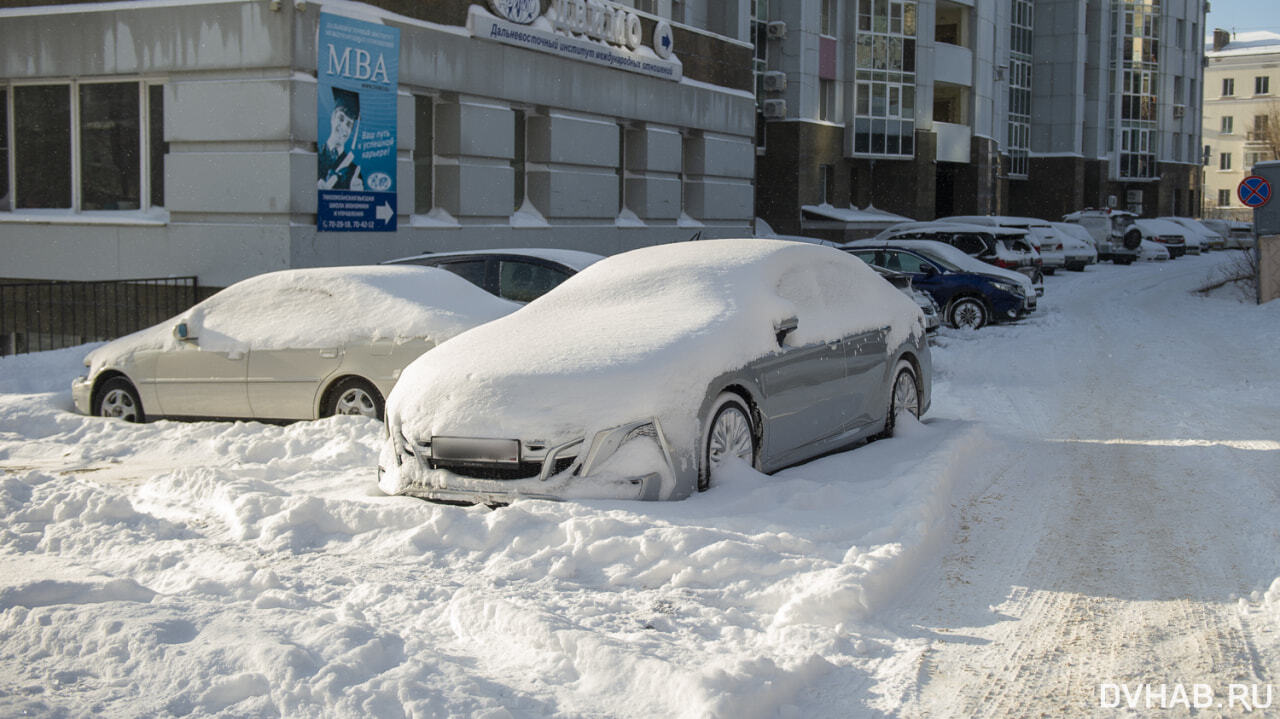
column 953, row 141
column 954, row 64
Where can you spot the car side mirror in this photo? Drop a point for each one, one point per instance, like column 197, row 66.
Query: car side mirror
column 929, row 270
column 182, row 332
column 784, row 327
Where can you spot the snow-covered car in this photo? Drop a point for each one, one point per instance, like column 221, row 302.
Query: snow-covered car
column 1209, row 239
column 902, row 280
column 1039, row 234
column 1149, row 250
column 639, row 376
column 1113, row 233
column 1239, row 235
column 971, row 292
column 1005, row 247
column 519, row 275
column 1169, row 234
column 1077, row 245
column 287, row 345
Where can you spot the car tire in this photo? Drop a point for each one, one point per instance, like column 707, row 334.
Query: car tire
column 118, row 398
column 353, row 396
column 904, row 396
column 1076, row 266
column 730, row 431
column 967, row 312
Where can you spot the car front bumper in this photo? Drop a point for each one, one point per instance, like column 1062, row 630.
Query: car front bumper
column 81, row 394
column 595, row 473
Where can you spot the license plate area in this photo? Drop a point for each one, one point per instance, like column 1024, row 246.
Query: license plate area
column 474, row 450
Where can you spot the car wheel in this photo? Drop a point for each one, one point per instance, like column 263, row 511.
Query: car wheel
column 904, row 396
column 730, row 433
column 967, row 312
column 1076, row 267
column 353, row 395
column 117, row 398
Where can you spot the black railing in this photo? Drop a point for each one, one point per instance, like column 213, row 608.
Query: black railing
column 48, row 315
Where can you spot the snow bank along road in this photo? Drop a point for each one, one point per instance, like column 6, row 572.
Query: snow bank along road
column 1089, row 513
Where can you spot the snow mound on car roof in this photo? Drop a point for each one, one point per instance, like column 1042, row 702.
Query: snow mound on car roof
column 639, row 334
column 326, row 306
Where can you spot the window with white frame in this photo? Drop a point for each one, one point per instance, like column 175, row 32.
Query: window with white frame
column 84, row 146
column 1228, row 86
column 1228, row 123
column 1020, row 88
column 6, row 202
column 1224, row 198
column 885, row 84
column 828, row 21
column 1262, row 85
column 1224, row 161
column 1136, row 31
column 828, row 110
column 760, row 62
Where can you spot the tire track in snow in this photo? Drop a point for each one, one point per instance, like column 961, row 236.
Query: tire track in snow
column 1081, row 563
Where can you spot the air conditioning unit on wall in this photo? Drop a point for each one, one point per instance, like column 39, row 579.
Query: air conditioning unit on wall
column 775, row 81
column 776, row 30
column 1179, row 111
column 775, row 109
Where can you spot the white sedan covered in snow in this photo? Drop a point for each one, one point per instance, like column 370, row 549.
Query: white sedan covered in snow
column 294, row 344
column 640, row 375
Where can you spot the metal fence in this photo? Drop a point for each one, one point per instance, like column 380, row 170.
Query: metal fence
column 47, row 315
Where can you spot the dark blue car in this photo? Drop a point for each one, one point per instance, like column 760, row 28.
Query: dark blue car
column 968, row 299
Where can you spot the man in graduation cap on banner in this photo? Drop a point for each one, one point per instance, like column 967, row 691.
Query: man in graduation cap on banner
column 337, row 164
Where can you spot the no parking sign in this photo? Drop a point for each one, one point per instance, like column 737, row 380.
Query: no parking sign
column 1254, row 191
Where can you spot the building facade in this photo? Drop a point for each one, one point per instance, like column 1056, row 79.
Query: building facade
column 929, row 108
column 1241, row 116
column 180, row 138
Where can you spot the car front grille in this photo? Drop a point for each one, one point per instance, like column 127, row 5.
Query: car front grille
column 523, row 470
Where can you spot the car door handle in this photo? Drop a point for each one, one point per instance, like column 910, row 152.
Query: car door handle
column 329, row 354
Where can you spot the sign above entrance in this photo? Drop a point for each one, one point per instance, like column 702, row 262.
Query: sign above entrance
column 602, row 33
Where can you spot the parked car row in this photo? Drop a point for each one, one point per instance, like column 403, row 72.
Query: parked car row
column 636, row 376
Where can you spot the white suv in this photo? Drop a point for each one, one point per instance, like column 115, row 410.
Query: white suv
column 1113, row 232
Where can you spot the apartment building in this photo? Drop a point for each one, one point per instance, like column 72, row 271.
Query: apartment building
column 1241, row 116
column 190, row 137
column 927, row 108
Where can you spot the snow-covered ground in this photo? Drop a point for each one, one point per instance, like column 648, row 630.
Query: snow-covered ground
column 1091, row 502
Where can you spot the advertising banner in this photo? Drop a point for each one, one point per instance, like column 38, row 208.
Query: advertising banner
column 357, row 68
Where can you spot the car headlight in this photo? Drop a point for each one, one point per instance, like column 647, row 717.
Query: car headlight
column 1010, row 288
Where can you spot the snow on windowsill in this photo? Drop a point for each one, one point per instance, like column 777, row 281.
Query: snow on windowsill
column 687, row 221
column 528, row 216
column 627, row 218
column 156, row 216
column 435, row 218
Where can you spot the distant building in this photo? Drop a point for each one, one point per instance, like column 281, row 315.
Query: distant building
column 180, row 138
column 1241, row 101
column 928, row 108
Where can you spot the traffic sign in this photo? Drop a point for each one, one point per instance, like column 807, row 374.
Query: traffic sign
column 1254, row 191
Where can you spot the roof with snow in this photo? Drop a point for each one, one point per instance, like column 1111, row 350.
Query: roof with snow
column 1257, row 42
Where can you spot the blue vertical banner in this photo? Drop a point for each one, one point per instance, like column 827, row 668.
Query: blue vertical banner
column 357, row 71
